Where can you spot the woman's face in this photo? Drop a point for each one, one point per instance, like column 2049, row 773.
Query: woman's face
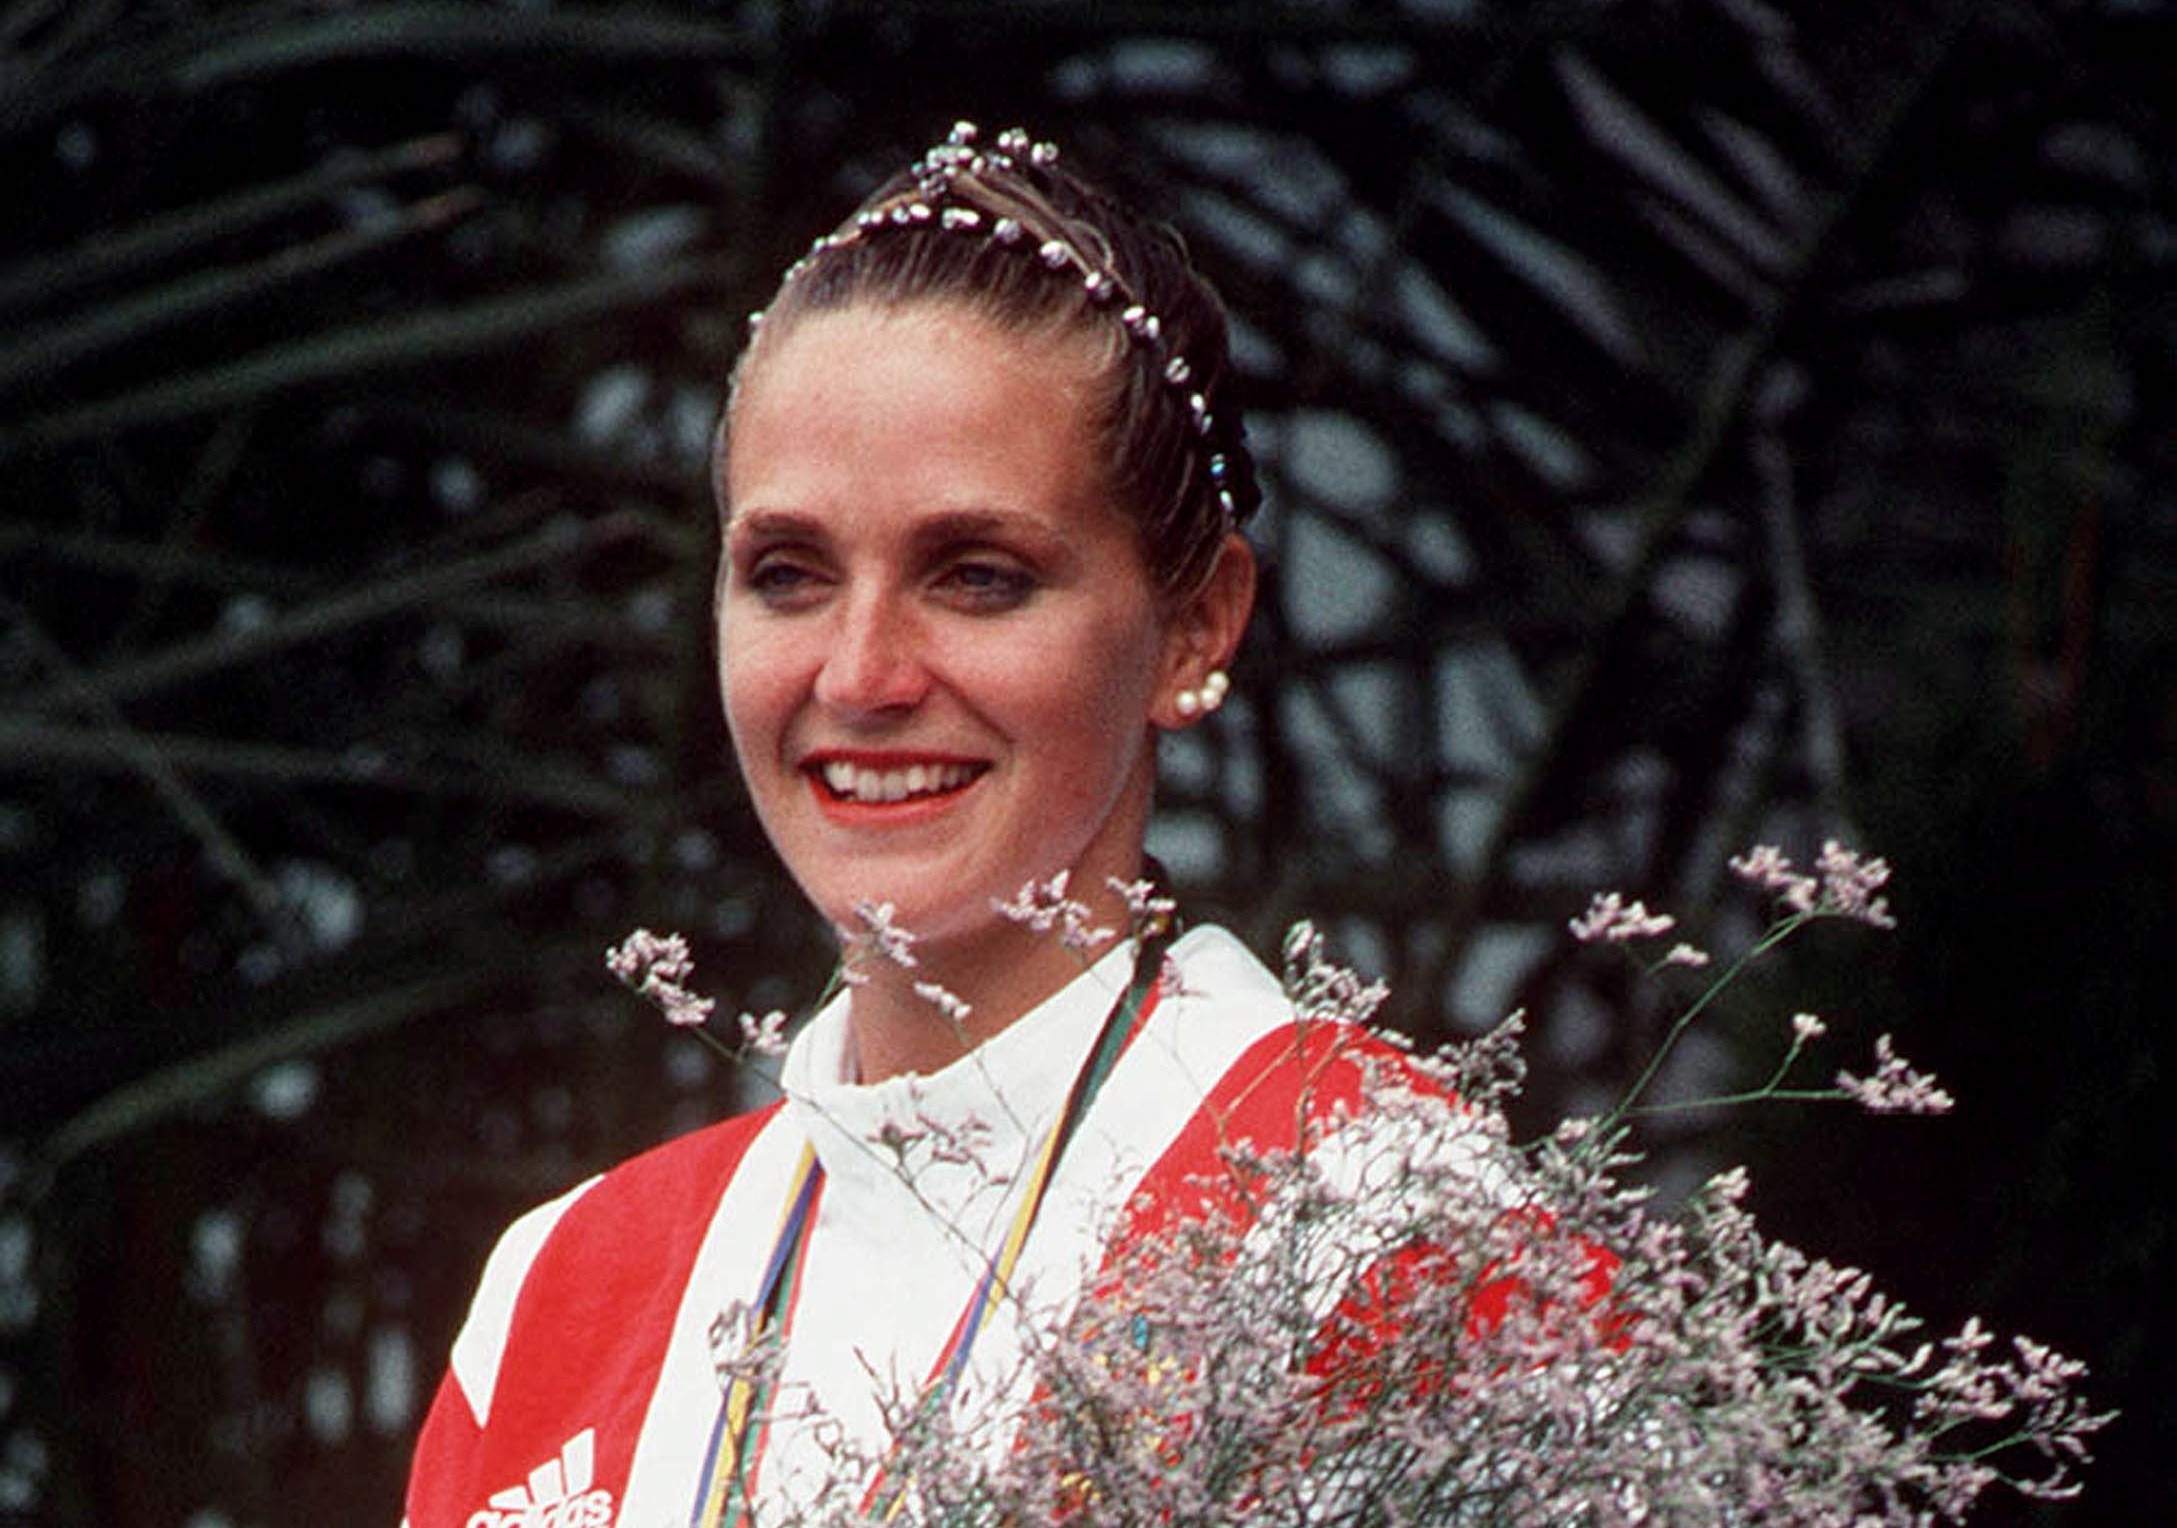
column 939, row 647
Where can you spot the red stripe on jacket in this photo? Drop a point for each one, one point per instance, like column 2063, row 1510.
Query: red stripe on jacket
column 589, row 1333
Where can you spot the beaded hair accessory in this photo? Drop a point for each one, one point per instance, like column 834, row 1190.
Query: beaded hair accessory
column 945, row 185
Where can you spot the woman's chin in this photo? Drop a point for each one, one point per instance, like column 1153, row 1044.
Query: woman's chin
column 938, row 932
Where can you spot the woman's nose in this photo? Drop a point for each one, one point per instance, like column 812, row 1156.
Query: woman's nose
column 874, row 661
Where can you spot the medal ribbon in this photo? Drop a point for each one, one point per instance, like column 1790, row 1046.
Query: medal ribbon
column 736, row 1445
column 720, row 1497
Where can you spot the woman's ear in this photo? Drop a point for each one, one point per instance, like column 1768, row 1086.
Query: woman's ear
column 1204, row 634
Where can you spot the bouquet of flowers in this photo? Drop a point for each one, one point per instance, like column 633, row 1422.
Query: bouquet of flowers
column 1414, row 1319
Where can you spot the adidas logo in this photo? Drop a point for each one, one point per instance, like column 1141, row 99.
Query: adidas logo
column 556, row 1495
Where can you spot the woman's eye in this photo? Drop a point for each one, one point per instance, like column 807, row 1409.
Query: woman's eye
column 986, row 585
column 778, row 580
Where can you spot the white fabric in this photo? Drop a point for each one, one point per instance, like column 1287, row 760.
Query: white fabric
column 924, row 1174
column 923, row 1177
column 482, row 1339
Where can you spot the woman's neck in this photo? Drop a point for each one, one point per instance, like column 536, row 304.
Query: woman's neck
column 896, row 1028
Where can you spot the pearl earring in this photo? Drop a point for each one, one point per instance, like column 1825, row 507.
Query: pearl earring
column 1206, row 699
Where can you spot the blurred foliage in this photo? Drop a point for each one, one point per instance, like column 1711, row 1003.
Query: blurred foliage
column 1687, row 422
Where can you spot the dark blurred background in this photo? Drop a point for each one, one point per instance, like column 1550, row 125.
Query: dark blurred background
column 1686, row 424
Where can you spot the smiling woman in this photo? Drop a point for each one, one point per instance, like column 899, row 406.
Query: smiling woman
column 943, row 655
column 982, row 482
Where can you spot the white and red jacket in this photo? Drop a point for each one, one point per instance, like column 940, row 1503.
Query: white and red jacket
column 582, row 1391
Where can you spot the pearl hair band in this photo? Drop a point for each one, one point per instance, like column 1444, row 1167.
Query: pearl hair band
column 1208, row 698
column 944, row 178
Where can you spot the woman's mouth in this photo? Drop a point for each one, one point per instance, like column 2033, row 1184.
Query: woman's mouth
column 865, row 784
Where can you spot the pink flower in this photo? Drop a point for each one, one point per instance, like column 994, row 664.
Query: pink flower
column 1843, row 886
column 765, row 1036
column 881, row 934
column 1894, row 1087
column 1849, row 884
column 657, row 966
column 1044, row 906
column 1148, row 912
column 1767, row 868
column 1610, row 919
column 947, row 1002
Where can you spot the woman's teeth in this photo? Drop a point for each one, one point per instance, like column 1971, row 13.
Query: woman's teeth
column 858, row 784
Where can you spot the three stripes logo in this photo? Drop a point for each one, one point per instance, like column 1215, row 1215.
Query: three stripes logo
column 558, row 1493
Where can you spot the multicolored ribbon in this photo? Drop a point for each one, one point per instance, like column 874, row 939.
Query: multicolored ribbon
column 737, row 1444
column 722, row 1496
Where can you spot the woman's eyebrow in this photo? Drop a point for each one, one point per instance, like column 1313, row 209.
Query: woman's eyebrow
column 954, row 526
column 775, row 524
column 965, row 525
column 933, row 533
